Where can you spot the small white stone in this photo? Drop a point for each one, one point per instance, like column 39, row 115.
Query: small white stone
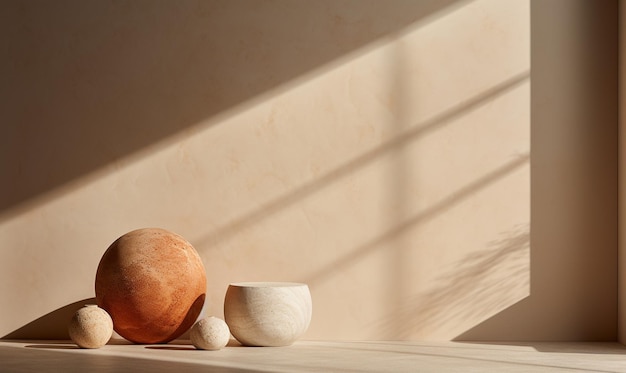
column 210, row 333
column 91, row 327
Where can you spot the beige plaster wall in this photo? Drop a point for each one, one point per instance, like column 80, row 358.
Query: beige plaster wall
column 378, row 151
column 573, row 292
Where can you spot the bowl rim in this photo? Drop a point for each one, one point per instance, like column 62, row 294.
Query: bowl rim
column 266, row 284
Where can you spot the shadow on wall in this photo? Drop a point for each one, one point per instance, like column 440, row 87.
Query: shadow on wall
column 483, row 283
column 398, row 142
column 52, row 325
column 87, row 83
column 477, row 285
column 429, row 213
column 433, row 310
column 573, row 179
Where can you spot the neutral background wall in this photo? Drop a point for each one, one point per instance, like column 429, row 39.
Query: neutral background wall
column 574, row 178
column 379, row 151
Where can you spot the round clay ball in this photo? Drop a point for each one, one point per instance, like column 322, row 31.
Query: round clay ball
column 153, row 283
column 210, row 333
column 91, row 327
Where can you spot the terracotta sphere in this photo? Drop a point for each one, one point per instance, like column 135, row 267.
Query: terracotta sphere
column 153, row 284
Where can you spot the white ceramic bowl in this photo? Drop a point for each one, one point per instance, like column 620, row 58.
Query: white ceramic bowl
column 267, row 313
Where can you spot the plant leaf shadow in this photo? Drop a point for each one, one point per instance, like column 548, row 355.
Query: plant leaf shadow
column 477, row 285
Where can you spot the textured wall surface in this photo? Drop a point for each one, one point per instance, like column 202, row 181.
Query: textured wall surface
column 378, row 151
column 574, row 178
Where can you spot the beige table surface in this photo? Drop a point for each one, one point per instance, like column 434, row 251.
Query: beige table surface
column 315, row 356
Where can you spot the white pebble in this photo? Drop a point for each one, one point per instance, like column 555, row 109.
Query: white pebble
column 91, row 327
column 210, row 333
